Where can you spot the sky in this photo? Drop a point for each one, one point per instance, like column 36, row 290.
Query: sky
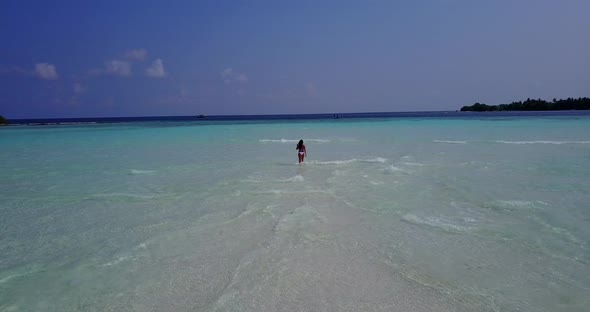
column 168, row 58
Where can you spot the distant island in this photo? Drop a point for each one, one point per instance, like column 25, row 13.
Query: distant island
column 3, row 121
column 532, row 105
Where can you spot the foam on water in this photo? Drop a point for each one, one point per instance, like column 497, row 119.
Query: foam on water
column 438, row 223
column 135, row 171
column 118, row 260
column 12, row 276
column 346, row 162
column 398, row 218
column 393, row 169
column 297, row 178
column 123, row 196
column 415, row 164
column 450, row 142
column 517, row 203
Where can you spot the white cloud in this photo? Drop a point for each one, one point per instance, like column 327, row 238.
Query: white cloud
column 136, row 54
column 119, row 68
column 42, row 71
column 114, row 67
column 45, row 71
column 156, row 70
column 79, row 88
column 226, row 75
column 229, row 75
column 242, row 78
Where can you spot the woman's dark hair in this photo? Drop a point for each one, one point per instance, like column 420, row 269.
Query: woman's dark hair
column 300, row 145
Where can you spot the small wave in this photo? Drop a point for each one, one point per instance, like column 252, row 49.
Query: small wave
column 9, row 277
column 347, row 161
column 438, row 223
column 292, row 141
column 297, row 178
column 415, row 164
column 129, row 196
column 543, row 142
column 450, row 142
column 117, row 261
column 299, row 219
column 134, row 171
column 557, row 230
column 374, row 160
column 330, row 162
column 252, row 181
column 393, row 169
column 515, row 204
column 283, row 192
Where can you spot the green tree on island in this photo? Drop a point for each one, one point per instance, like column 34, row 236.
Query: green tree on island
column 3, row 120
column 532, row 105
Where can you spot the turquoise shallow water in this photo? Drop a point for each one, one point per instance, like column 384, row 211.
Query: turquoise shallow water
column 386, row 215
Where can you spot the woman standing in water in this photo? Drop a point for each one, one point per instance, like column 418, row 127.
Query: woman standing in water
column 301, row 151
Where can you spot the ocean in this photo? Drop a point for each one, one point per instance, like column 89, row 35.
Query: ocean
column 421, row 212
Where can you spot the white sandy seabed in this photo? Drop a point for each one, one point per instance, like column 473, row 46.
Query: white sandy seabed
column 398, row 215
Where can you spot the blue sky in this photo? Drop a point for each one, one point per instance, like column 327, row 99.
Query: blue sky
column 146, row 58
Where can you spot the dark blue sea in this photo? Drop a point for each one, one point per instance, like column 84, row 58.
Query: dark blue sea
column 209, row 118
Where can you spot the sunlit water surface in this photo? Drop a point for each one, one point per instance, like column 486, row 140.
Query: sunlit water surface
column 385, row 215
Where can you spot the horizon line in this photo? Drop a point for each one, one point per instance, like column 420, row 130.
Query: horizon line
column 205, row 116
